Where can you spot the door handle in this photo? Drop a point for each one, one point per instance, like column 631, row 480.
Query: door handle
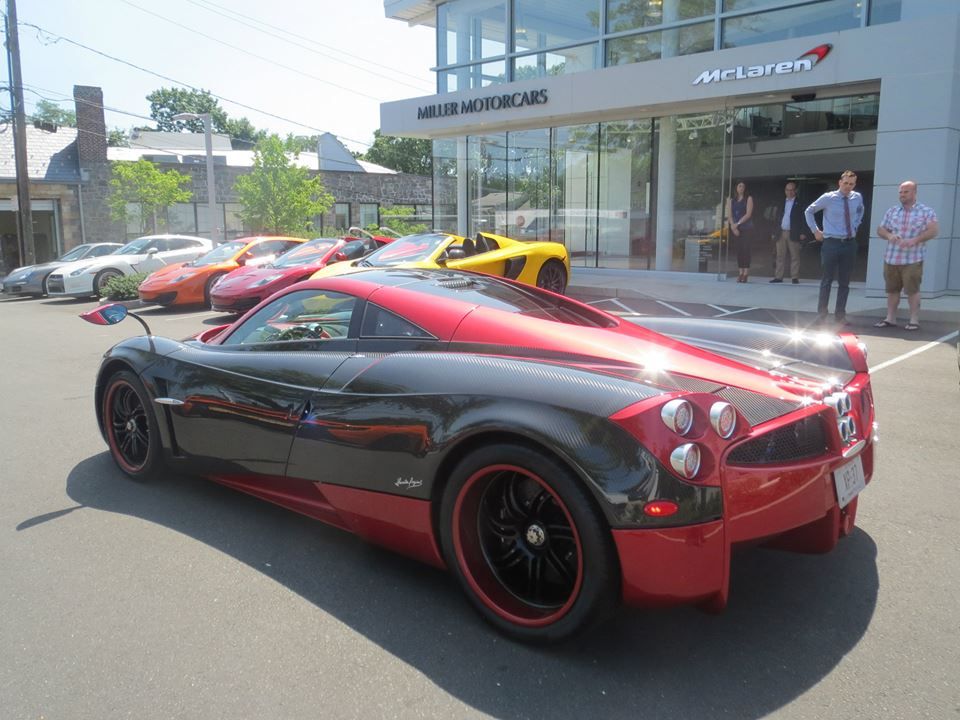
column 168, row 401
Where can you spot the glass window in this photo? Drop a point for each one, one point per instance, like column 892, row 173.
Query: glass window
column 234, row 223
column 687, row 40
column 487, row 182
column 630, row 14
column 540, row 24
column 558, row 62
column 182, row 218
column 747, row 4
column 203, row 222
column 101, row 250
column 528, row 185
column 473, row 76
column 884, row 11
column 625, row 228
column 300, row 315
column 574, row 219
column 369, row 215
column 445, row 173
column 792, row 22
column 378, row 322
column 341, row 216
column 470, row 30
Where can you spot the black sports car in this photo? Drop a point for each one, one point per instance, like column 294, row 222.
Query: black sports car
column 555, row 458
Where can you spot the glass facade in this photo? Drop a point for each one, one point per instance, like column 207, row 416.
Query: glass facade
column 488, row 42
column 646, row 193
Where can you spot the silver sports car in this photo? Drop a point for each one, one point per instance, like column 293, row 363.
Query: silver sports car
column 32, row 279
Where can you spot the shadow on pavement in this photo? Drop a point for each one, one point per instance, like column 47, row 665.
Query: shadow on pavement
column 792, row 618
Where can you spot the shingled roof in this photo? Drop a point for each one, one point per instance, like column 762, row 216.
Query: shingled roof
column 51, row 156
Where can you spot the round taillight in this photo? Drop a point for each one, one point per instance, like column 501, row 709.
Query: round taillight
column 661, row 508
column 678, row 416
column 723, row 418
column 685, row 459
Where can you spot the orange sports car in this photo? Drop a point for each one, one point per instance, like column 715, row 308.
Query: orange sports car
column 190, row 283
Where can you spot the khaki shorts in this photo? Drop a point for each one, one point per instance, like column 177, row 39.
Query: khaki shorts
column 903, row 277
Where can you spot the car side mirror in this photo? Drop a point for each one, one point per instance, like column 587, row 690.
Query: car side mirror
column 152, row 251
column 109, row 314
column 340, row 257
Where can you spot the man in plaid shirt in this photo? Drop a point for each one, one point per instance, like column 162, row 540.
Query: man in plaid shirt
column 906, row 227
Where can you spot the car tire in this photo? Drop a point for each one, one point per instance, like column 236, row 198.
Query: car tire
column 553, row 277
column 521, row 534
column 102, row 278
column 208, row 288
column 130, row 427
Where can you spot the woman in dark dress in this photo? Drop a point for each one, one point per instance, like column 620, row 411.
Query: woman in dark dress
column 739, row 218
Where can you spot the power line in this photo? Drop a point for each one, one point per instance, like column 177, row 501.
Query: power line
column 170, row 151
column 58, row 38
column 259, row 25
column 247, row 52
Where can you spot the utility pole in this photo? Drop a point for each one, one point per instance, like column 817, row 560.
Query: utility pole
column 24, row 216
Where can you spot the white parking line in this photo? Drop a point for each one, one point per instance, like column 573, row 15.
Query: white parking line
column 735, row 312
column 674, row 308
column 917, row 351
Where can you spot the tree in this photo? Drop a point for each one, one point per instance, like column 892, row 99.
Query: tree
column 408, row 155
column 143, row 185
column 278, row 197
column 49, row 112
column 167, row 102
column 243, row 135
column 118, row 138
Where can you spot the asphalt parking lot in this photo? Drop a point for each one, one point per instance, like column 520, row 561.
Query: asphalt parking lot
column 184, row 599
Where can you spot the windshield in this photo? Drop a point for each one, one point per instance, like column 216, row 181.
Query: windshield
column 220, row 253
column 412, row 248
column 307, row 253
column 135, row 247
column 75, row 254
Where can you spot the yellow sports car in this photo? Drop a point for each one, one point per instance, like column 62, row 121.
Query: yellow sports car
column 544, row 264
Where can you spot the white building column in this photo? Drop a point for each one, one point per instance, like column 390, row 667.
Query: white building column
column 666, row 191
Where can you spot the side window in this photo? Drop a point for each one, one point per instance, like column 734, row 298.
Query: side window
column 378, row 322
column 300, row 315
column 159, row 244
column 354, row 249
column 102, row 250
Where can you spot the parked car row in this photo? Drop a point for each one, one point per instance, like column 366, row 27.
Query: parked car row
column 237, row 275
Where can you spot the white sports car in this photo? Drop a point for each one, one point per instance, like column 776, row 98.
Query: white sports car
column 85, row 278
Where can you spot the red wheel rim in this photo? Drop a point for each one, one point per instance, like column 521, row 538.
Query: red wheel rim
column 517, row 546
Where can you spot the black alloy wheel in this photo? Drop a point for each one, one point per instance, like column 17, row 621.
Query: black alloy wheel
column 521, row 534
column 553, row 277
column 208, row 288
column 131, row 427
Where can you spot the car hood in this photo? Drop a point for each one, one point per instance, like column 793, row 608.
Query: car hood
column 168, row 273
column 103, row 261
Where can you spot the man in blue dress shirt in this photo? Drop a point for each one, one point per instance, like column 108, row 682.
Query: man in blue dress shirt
column 842, row 214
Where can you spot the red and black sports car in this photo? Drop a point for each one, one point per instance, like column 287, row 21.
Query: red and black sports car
column 245, row 287
column 554, row 457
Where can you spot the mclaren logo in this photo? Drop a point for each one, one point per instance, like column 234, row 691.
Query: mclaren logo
column 785, row 67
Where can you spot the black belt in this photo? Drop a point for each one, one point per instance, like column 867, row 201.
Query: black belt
column 841, row 239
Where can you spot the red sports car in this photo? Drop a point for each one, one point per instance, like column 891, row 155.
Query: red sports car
column 243, row 288
column 555, row 458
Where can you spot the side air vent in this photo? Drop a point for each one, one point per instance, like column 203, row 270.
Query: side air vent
column 456, row 283
column 799, row 440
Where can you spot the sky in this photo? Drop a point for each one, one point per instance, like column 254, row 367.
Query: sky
column 314, row 65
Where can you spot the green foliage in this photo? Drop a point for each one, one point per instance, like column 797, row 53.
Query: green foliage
column 398, row 218
column 167, row 102
column 123, row 288
column 243, row 135
column 118, row 138
column 50, row 112
column 302, row 143
column 407, row 155
column 143, row 185
column 277, row 196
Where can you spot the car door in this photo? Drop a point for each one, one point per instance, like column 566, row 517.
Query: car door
column 359, row 440
column 178, row 250
column 233, row 408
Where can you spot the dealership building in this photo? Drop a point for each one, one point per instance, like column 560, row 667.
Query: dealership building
column 619, row 126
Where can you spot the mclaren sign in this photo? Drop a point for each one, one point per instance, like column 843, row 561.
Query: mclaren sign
column 805, row 62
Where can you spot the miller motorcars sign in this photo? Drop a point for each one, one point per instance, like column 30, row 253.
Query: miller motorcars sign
column 493, row 102
column 785, row 67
